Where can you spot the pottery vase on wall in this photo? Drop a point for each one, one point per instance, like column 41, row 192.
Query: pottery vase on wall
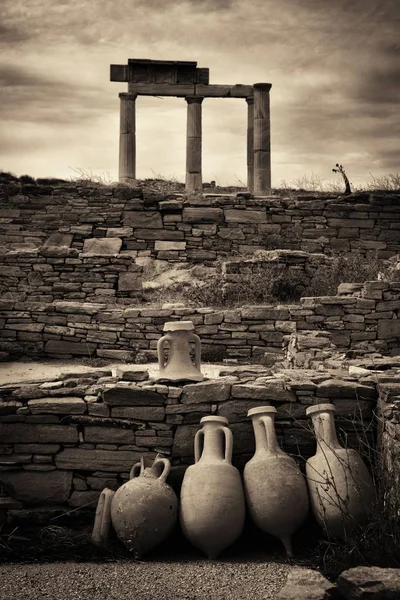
column 144, row 510
column 276, row 490
column 340, row 486
column 179, row 366
column 212, row 509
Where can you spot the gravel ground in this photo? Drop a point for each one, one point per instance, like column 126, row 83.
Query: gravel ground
column 181, row 580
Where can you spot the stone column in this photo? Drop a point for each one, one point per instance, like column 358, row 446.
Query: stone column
column 262, row 140
column 250, row 143
column 127, row 138
column 193, row 144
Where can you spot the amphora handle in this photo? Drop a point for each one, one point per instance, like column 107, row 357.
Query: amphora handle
column 228, row 443
column 160, row 352
column 137, row 469
column 197, row 349
column 198, row 447
column 166, row 468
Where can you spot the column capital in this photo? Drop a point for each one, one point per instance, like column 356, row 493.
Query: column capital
column 127, row 96
column 194, row 99
column 250, row 99
column 262, row 87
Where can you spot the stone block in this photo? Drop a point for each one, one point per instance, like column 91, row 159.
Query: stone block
column 37, row 434
column 68, row 405
column 336, row 388
column 160, row 245
column 132, row 396
column 207, row 391
column 37, row 448
column 268, row 313
column 388, row 328
column 369, row 583
column 306, row 584
column 233, row 215
column 96, row 246
column 158, row 234
column 184, row 440
column 109, row 435
column 142, row 219
column 272, row 390
column 202, row 215
column 130, row 282
column 63, row 347
column 115, row 461
column 119, row 232
column 139, row 413
column 40, row 487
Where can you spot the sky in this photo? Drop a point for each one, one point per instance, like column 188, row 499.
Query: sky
column 334, row 69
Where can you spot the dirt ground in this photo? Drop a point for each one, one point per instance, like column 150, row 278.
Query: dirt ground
column 46, row 370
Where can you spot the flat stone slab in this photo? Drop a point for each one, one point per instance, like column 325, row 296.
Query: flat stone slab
column 109, row 435
column 336, row 388
column 369, row 583
column 96, row 246
column 206, row 391
column 132, row 396
column 273, row 390
column 117, row 461
column 306, row 584
column 67, row 405
column 27, row 433
column 40, row 487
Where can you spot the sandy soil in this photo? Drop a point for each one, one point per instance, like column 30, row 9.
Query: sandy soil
column 23, row 371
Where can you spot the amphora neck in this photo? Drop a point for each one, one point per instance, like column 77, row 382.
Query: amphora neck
column 212, row 441
column 325, row 431
column 264, row 433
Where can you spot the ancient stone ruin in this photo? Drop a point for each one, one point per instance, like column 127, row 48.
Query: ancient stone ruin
column 184, row 79
column 75, row 262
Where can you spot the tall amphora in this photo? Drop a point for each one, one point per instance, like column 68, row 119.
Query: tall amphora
column 340, row 486
column 212, row 507
column 144, row 510
column 276, row 490
column 179, row 365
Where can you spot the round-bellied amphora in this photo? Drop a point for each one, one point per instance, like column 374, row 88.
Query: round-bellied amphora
column 212, row 508
column 179, row 365
column 276, row 490
column 144, row 510
column 341, row 489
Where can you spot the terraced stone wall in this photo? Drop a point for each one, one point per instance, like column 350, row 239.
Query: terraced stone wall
column 63, row 441
column 361, row 318
column 202, row 230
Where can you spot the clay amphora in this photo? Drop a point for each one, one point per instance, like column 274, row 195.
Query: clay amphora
column 179, row 366
column 212, row 509
column 144, row 509
column 276, row 490
column 341, row 489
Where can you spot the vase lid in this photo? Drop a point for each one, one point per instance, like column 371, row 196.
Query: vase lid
column 214, row 419
column 178, row 326
column 311, row 410
column 259, row 410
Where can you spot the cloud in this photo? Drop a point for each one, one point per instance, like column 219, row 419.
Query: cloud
column 333, row 66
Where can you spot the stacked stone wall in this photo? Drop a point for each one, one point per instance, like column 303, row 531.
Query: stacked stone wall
column 362, row 318
column 61, row 273
column 203, row 229
column 63, row 441
column 389, row 443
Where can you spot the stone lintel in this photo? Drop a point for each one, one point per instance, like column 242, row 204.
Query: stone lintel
column 184, row 89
